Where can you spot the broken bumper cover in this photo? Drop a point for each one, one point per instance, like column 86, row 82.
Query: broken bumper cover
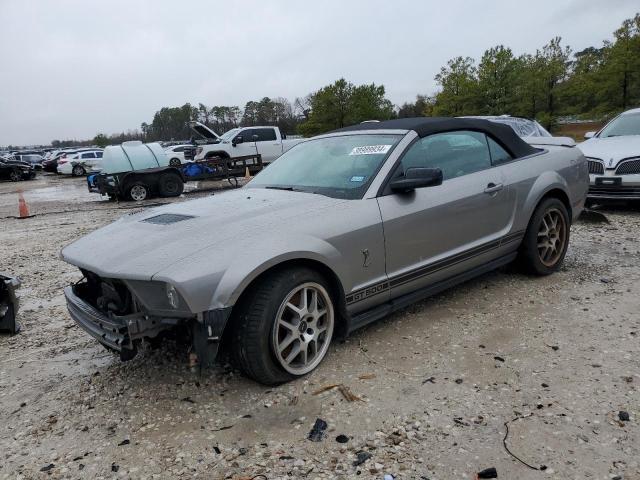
column 8, row 303
column 112, row 333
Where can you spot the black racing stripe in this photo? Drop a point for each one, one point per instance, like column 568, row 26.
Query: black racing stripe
column 444, row 263
column 373, row 290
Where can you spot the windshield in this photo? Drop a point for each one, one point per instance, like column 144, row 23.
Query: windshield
column 340, row 167
column 628, row 124
column 227, row 136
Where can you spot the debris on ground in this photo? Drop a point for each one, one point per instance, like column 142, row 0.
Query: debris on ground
column 623, row 416
column 317, row 432
column 9, row 304
column 361, row 457
column 343, row 389
column 487, row 473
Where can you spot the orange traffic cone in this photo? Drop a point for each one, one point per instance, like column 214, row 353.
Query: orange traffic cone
column 23, row 208
column 247, row 175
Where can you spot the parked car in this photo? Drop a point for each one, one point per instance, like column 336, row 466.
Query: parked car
column 613, row 154
column 529, row 130
column 30, row 158
column 136, row 171
column 340, row 231
column 15, row 170
column 179, row 154
column 50, row 164
column 80, row 163
column 240, row 142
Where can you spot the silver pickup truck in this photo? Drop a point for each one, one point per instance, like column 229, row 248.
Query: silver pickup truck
column 340, row 231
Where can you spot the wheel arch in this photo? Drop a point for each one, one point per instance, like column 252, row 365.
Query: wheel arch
column 217, row 153
column 335, row 285
column 548, row 185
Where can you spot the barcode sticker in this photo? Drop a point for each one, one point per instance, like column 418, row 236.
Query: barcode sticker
column 370, row 150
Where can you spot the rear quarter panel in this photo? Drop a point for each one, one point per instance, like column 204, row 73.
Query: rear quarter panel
column 531, row 178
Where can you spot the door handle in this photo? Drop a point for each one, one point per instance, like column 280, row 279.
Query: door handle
column 493, row 188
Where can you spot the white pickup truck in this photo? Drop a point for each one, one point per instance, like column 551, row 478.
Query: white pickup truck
column 237, row 142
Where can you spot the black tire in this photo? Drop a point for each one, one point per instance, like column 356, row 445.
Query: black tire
column 541, row 260
column 137, row 191
column 78, row 171
column 15, row 175
column 175, row 162
column 252, row 338
column 170, row 185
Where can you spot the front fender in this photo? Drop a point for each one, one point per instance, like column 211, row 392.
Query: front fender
column 254, row 262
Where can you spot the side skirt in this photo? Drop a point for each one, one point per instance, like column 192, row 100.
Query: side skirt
column 376, row 313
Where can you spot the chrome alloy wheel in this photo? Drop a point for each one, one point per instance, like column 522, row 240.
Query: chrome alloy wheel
column 303, row 328
column 552, row 236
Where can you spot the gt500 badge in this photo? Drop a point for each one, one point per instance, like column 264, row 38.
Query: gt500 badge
column 370, row 150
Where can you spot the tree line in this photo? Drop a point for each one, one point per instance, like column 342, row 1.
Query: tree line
column 554, row 82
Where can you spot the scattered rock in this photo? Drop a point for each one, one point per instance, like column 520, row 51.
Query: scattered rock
column 623, row 416
column 46, row 468
column 342, row 438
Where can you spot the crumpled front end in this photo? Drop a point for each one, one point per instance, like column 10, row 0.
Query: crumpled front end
column 122, row 314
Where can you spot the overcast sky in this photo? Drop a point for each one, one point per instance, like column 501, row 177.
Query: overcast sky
column 71, row 69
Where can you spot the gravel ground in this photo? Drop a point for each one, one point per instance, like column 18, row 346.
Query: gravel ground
column 433, row 387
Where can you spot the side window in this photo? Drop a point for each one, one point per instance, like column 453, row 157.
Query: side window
column 498, row 154
column 88, row 155
column 247, row 135
column 455, row 153
column 178, row 149
column 266, row 134
column 98, row 154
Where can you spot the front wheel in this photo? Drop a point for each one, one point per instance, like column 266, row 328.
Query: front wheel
column 175, row 162
column 547, row 238
column 284, row 326
column 137, row 191
column 78, row 171
column 15, row 176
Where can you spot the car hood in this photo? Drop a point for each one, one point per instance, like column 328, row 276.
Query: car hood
column 612, row 149
column 138, row 246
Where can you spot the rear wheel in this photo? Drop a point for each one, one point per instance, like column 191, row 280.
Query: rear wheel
column 137, row 191
column 170, row 185
column 78, row 171
column 547, row 238
column 175, row 162
column 15, row 176
column 284, row 326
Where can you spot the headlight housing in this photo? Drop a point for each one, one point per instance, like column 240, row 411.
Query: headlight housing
column 172, row 296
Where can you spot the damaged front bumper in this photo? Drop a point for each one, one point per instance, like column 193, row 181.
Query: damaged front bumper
column 123, row 333
column 8, row 304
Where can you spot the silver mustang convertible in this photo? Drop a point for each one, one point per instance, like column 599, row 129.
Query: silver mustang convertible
column 338, row 232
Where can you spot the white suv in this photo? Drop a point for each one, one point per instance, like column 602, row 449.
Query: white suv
column 80, row 163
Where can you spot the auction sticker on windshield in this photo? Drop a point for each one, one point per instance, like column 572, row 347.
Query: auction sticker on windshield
column 370, row 150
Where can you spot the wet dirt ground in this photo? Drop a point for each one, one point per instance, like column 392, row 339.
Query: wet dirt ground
column 552, row 359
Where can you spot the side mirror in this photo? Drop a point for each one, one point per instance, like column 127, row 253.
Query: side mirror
column 416, row 177
column 589, row 135
column 237, row 140
column 255, row 138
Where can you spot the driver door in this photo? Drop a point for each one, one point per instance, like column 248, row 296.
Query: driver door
column 436, row 232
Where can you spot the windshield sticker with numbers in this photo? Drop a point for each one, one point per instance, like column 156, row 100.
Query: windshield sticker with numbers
column 370, row 150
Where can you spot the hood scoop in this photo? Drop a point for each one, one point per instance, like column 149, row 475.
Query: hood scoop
column 167, row 218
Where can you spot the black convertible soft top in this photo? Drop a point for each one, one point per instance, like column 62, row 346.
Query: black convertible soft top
column 424, row 126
